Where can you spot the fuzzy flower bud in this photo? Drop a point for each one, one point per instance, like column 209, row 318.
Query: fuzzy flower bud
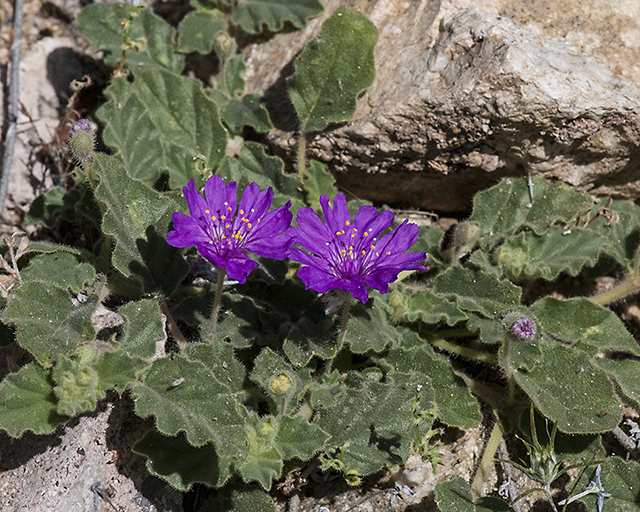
column 524, row 328
column 82, row 140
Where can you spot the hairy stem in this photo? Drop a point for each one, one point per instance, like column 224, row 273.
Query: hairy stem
column 487, row 458
column 302, row 150
column 343, row 330
column 463, row 351
column 216, row 304
column 627, row 287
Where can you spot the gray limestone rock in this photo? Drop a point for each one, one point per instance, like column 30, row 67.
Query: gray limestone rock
column 488, row 98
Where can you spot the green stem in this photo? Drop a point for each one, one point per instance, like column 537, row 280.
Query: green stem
column 487, row 459
column 216, row 304
column 464, row 351
column 302, row 150
column 343, row 330
column 509, row 371
column 629, row 286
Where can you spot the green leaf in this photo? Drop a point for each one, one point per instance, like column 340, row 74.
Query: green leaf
column 333, row 69
column 27, row 402
column 254, row 165
column 137, row 217
column 626, row 374
column 529, row 256
column 233, row 75
column 252, row 14
column 60, row 269
column 371, row 423
column 368, row 328
column 102, row 25
column 319, row 182
column 197, row 30
column 143, row 328
column 249, row 111
column 181, row 464
column 274, row 439
column 422, row 305
column 46, row 208
column 160, row 123
column 239, row 498
column 222, row 362
column 48, row 323
column 455, row 496
column 455, row 404
column 279, row 380
column 590, row 323
column 205, row 409
column 506, row 208
column 116, row 370
column 477, row 291
column 621, row 480
column 568, row 389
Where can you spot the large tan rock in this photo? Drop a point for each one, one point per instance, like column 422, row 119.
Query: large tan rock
column 464, row 97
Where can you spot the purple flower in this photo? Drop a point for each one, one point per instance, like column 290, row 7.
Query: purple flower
column 524, row 328
column 82, row 125
column 346, row 255
column 225, row 238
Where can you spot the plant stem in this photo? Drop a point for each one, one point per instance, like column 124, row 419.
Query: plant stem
column 216, row 304
column 464, row 351
column 627, row 287
column 343, row 330
column 487, row 458
column 302, row 150
column 509, row 371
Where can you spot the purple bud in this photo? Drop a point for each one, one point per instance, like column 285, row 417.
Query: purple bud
column 81, row 125
column 524, row 328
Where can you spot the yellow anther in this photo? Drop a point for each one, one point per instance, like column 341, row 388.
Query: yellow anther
column 366, row 234
column 347, row 223
column 207, row 211
column 387, row 253
column 213, row 218
column 223, row 217
column 241, row 212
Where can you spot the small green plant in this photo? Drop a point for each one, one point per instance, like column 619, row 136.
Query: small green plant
column 296, row 343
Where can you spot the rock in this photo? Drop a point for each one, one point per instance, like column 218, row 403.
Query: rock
column 487, row 98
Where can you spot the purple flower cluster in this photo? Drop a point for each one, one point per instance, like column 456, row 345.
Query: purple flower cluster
column 338, row 254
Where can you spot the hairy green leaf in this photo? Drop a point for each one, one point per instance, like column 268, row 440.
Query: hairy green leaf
column 477, row 291
column 529, row 256
column 252, row 14
column 590, row 323
column 371, row 422
column 274, row 439
column 60, row 269
column 455, row 496
column 197, row 30
column 455, row 404
column 160, row 123
column 102, row 25
column 333, row 69
column 568, row 388
column 422, row 305
column 506, row 208
column 239, row 498
column 27, row 402
column 143, row 328
column 116, row 370
column 185, row 396
column 137, row 217
column 48, row 323
column 181, row 464
column 368, row 328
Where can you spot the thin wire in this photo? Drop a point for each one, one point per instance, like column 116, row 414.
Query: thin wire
column 10, row 139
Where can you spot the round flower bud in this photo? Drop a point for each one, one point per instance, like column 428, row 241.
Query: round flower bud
column 281, row 384
column 524, row 328
column 82, row 140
